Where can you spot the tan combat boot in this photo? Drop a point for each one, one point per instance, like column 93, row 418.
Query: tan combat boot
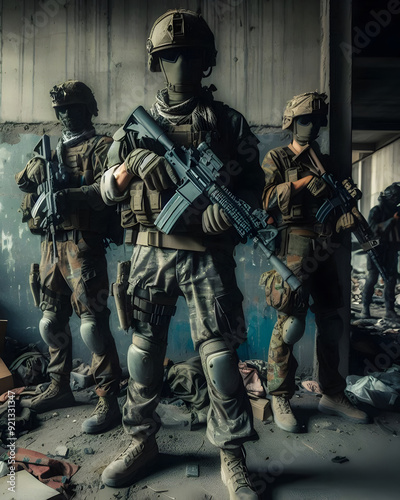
column 283, row 414
column 234, row 475
column 57, row 395
column 123, row 471
column 338, row 404
column 104, row 415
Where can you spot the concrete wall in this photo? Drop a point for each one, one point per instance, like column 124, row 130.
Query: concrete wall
column 374, row 173
column 261, row 64
column 261, row 61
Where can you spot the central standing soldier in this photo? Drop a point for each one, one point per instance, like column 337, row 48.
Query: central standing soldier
column 195, row 261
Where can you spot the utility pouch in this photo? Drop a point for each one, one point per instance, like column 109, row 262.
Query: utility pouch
column 278, row 293
column 119, row 292
column 34, row 283
column 299, row 245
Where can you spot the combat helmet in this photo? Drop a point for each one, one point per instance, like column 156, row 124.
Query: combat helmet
column 391, row 195
column 180, row 28
column 309, row 103
column 73, row 92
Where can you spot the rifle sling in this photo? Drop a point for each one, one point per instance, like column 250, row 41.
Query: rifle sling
column 316, row 166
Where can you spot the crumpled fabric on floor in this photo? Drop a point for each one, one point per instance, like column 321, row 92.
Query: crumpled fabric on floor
column 54, row 473
column 252, row 380
column 379, row 389
column 16, row 392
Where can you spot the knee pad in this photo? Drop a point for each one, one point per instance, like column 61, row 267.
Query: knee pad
column 93, row 338
column 145, row 360
column 220, row 366
column 293, row 329
column 53, row 332
column 330, row 327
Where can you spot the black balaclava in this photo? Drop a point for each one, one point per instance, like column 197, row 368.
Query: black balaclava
column 74, row 118
column 183, row 70
column 306, row 128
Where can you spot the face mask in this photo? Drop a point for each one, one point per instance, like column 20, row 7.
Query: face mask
column 183, row 69
column 306, row 129
column 74, row 117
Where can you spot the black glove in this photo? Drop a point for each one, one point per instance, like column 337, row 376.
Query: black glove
column 155, row 171
column 70, row 199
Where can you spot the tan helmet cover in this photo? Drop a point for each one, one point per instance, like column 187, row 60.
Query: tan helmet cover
column 309, row 103
column 180, row 28
column 73, row 92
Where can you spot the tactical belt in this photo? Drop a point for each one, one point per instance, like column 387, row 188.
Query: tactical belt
column 70, row 235
column 303, row 232
column 161, row 240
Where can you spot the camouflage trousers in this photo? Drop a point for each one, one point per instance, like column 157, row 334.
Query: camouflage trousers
column 78, row 281
column 323, row 286
column 207, row 282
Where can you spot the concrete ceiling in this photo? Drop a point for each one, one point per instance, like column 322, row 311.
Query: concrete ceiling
column 376, row 74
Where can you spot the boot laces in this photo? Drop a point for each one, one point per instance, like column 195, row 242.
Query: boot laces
column 237, row 471
column 101, row 407
column 283, row 405
column 131, row 451
column 342, row 400
column 52, row 390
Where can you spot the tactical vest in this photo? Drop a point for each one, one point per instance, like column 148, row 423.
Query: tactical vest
column 145, row 205
column 305, row 211
column 78, row 162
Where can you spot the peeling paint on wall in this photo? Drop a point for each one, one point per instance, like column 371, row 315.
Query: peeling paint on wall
column 6, row 246
column 260, row 65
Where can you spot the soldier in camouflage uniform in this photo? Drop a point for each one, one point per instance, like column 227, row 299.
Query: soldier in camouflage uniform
column 195, row 261
column 78, row 280
column 384, row 220
column 294, row 191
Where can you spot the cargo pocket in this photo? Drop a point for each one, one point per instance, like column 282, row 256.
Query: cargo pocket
column 128, row 218
column 230, row 317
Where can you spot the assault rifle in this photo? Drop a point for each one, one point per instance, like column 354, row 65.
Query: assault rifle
column 46, row 205
column 199, row 174
column 345, row 197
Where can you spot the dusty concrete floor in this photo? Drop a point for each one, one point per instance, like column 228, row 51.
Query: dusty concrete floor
column 283, row 466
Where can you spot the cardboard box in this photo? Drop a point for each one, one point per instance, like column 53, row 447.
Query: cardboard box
column 6, row 379
column 261, row 408
column 24, row 486
column 3, row 330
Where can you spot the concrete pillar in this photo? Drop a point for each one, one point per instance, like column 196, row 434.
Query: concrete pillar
column 336, row 30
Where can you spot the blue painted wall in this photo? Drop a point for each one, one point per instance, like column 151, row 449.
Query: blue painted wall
column 19, row 248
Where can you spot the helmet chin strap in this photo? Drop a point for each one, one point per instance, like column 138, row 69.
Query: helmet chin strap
column 184, row 88
column 180, row 88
